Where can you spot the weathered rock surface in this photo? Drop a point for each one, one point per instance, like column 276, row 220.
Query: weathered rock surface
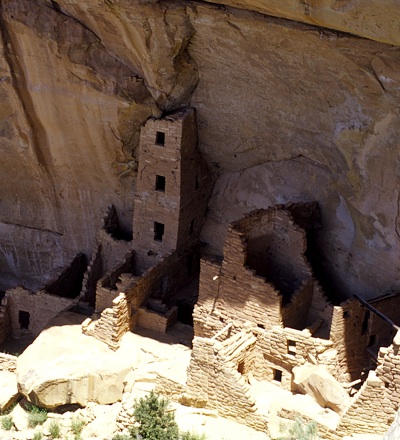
column 63, row 366
column 394, row 430
column 8, row 389
column 286, row 111
column 376, row 19
column 317, row 382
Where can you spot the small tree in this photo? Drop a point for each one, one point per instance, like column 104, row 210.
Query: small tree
column 300, row 430
column 153, row 420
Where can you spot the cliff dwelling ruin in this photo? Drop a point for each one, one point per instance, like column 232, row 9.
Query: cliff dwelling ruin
column 259, row 313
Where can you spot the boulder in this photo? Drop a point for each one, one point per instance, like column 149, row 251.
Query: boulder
column 8, row 389
column 316, row 381
column 63, row 366
column 20, row 418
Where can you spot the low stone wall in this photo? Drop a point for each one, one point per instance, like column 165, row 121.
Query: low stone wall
column 279, row 350
column 215, row 382
column 153, row 320
column 371, row 409
column 8, row 362
column 38, row 308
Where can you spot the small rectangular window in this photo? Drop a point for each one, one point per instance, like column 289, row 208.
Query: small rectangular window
column 160, row 183
column 158, row 231
column 278, row 375
column 192, row 223
column 364, row 328
column 24, row 318
column 196, row 182
column 372, row 341
column 160, row 138
column 291, row 348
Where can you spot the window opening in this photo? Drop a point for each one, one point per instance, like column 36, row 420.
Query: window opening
column 278, row 375
column 158, row 231
column 192, row 226
column 160, row 138
column 196, row 182
column 365, row 322
column 160, row 183
column 291, row 348
column 241, row 367
column 346, row 314
column 24, row 318
column 372, row 340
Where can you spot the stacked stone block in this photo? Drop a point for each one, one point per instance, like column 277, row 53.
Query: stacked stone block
column 8, row 362
column 215, row 382
column 112, row 325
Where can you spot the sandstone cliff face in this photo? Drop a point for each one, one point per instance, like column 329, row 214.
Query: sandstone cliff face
column 286, row 111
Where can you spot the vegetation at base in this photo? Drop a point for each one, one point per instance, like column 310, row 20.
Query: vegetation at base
column 8, row 410
column 300, row 430
column 154, row 421
column 54, row 429
column 187, row 435
column 7, row 423
column 37, row 436
column 77, row 425
column 37, row 416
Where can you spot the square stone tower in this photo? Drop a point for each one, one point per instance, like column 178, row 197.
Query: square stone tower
column 172, row 188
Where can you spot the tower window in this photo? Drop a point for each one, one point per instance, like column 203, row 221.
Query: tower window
column 160, row 183
column 23, row 318
column 196, row 182
column 158, row 231
column 160, row 138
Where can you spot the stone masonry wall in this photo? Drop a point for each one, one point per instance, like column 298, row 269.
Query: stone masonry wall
column 5, row 321
column 321, row 308
column 295, row 313
column 350, row 340
column 41, row 308
column 381, row 332
column 159, row 281
column 172, row 188
column 106, row 287
column 8, row 362
column 207, row 319
column 281, row 349
column 275, row 248
column 113, row 323
column 214, row 380
column 69, row 283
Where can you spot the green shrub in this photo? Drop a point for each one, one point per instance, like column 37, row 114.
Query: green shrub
column 37, row 416
column 122, row 437
column 8, row 410
column 153, row 420
column 300, row 430
column 37, row 436
column 7, row 423
column 54, row 429
column 187, row 435
column 77, row 425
